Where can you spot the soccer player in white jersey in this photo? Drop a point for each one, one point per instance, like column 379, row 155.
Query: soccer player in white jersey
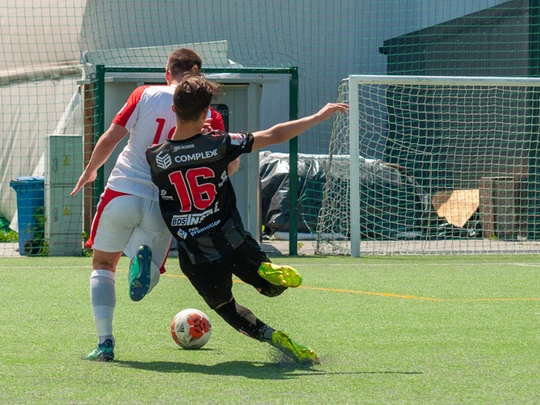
column 127, row 218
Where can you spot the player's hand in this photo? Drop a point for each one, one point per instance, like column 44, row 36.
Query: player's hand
column 86, row 177
column 207, row 127
column 329, row 109
column 233, row 166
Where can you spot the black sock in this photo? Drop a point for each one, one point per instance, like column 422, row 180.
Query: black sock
column 244, row 321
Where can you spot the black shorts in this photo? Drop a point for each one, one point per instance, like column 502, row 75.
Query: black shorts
column 213, row 281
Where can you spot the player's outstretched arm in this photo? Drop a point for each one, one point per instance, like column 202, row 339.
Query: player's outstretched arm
column 233, row 166
column 103, row 149
column 283, row 132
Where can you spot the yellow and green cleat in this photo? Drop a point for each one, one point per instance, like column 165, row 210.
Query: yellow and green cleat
column 301, row 353
column 284, row 276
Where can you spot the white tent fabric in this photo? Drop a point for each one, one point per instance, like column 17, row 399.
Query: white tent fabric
column 34, row 110
column 39, row 69
column 35, row 35
column 68, row 123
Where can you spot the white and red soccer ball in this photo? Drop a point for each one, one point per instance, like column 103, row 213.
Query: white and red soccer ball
column 191, row 328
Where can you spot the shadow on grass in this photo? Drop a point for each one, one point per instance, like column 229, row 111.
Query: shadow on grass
column 253, row 370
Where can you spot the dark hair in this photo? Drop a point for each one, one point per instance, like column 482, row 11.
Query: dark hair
column 184, row 60
column 192, row 96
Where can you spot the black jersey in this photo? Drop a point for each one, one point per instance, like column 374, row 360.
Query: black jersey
column 196, row 198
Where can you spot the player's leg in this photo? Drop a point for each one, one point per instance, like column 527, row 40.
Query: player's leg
column 245, row 264
column 213, row 282
column 103, row 300
column 148, row 249
column 253, row 266
column 279, row 275
column 244, row 321
column 111, row 229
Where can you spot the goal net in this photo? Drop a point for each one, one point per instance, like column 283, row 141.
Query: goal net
column 433, row 165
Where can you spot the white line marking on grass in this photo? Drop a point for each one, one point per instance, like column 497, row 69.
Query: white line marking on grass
column 318, row 264
column 527, row 264
column 45, row 267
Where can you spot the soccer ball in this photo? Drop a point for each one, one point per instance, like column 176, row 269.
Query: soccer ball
column 191, row 328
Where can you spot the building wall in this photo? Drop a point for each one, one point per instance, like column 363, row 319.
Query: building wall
column 326, row 40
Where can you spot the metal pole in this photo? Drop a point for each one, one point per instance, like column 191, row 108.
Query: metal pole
column 533, row 220
column 293, row 173
column 100, row 125
column 354, row 174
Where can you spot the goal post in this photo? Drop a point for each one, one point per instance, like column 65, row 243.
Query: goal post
column 433, row 164
column 354, row 118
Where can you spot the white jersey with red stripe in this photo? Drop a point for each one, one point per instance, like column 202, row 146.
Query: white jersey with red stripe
column 149, row 118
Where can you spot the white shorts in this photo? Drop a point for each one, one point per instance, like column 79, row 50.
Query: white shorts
column 123, row 222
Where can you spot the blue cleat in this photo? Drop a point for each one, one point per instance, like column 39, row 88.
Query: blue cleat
column 103, row 352
column 139, row 273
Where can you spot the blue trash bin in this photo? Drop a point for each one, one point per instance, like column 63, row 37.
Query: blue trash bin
column 30, row 206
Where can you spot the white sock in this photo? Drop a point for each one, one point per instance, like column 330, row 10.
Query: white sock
column 103, row 298
column 154, row 277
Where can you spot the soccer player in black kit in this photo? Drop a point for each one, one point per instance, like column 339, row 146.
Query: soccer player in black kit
column 198, row 204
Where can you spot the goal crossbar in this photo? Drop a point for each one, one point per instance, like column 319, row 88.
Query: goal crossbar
column 355, row 81
column 445, row 80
